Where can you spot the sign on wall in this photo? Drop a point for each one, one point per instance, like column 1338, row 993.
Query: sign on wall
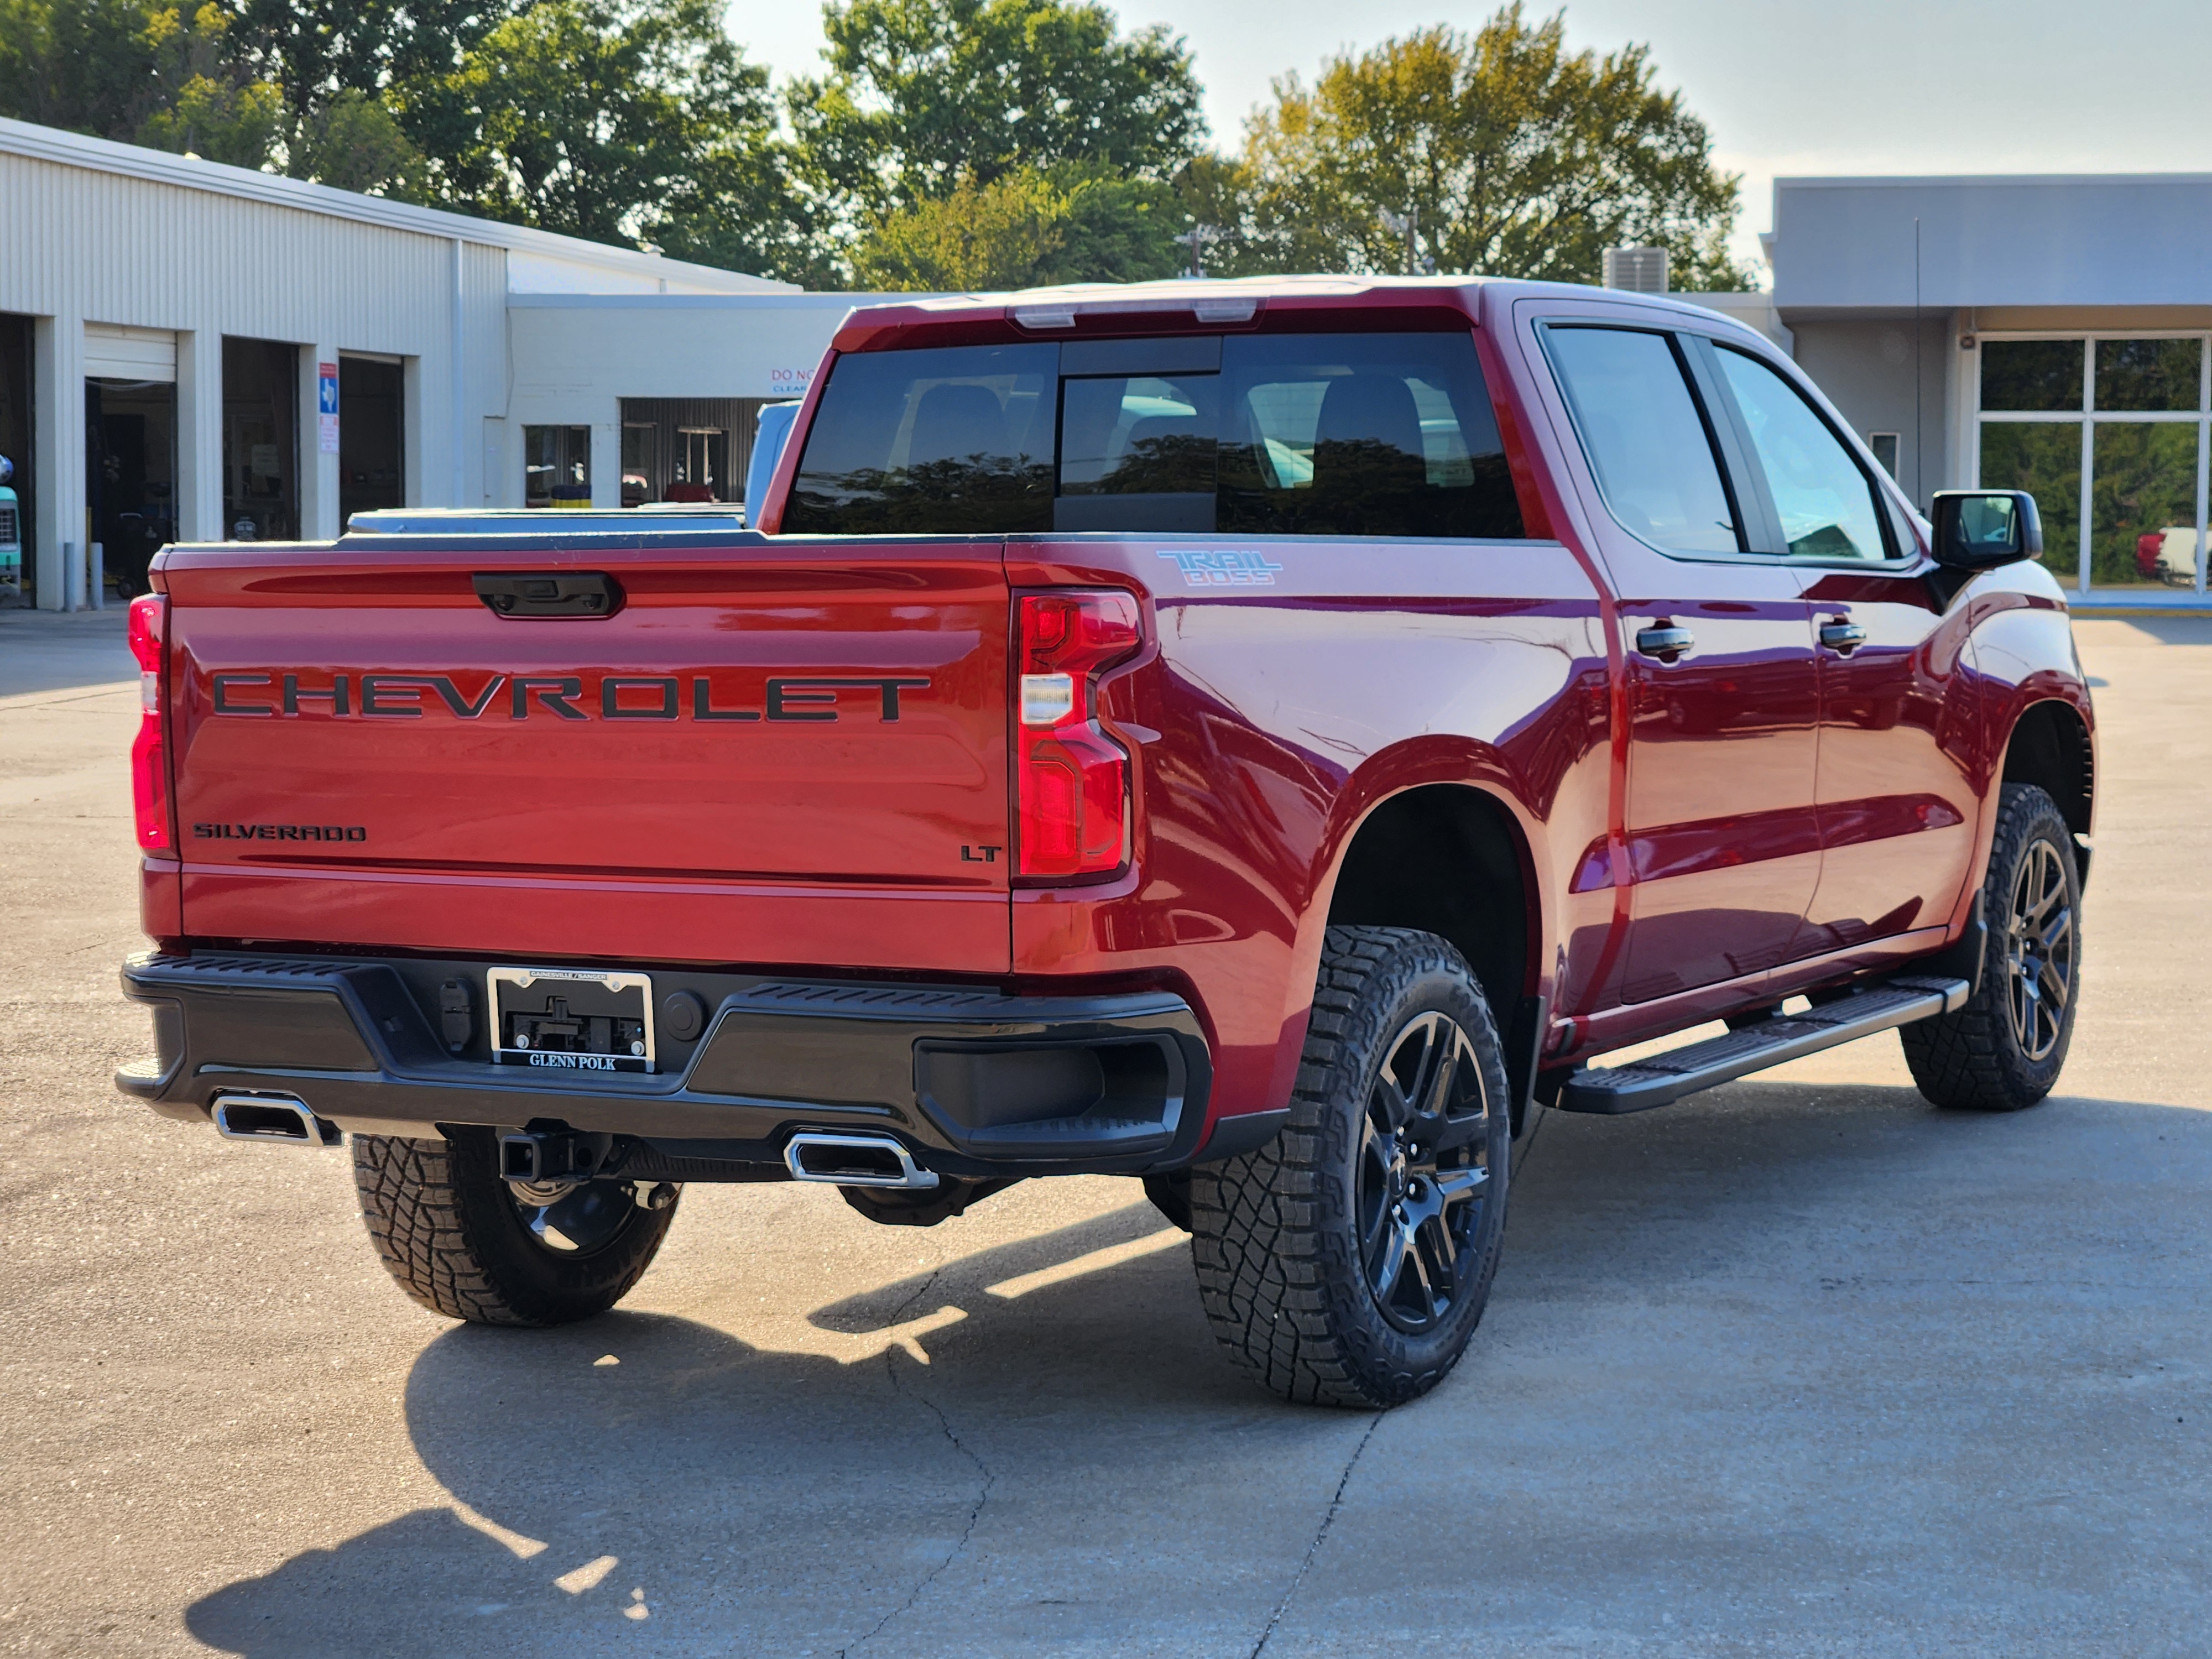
column 785, row 383
column 326, row 404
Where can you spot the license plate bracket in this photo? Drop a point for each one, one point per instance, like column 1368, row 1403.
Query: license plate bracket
column 576, row 1019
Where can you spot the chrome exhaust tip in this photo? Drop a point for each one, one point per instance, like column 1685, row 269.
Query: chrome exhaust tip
column 281, row 1120
column 855, row 1161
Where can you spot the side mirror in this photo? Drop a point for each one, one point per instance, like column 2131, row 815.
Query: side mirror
column 1981, row 529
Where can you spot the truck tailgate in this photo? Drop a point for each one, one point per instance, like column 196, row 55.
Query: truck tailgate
column 771, row 752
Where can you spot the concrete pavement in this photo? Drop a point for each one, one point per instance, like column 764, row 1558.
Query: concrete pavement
column 1798, row 1367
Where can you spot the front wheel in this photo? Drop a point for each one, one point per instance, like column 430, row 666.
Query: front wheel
column 462, row 1243
column 2003, row 1050
column 1347, row 1261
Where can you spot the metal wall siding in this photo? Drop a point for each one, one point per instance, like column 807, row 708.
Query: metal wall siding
column 78, row 241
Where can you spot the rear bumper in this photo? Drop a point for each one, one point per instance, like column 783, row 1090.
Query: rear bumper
column 976, row 1082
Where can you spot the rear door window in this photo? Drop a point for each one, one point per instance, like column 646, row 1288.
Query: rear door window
column 946, row 441
column 1647, row 438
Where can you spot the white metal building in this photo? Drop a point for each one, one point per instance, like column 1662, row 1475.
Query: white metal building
column 174, row 333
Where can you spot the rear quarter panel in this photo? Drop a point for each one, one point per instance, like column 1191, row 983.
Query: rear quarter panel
column 1287, row 692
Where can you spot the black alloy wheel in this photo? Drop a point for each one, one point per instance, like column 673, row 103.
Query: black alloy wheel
column 575, row 1220
column 1422, row 1179
column 2038, row 947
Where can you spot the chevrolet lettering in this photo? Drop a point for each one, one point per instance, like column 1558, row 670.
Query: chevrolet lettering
column 1338, row 720
column 564, row 696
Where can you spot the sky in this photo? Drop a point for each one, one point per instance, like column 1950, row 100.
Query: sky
column 1786, row 87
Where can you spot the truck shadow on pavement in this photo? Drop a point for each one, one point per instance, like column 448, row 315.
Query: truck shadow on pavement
column 1038, row 1448
column 704, row 1490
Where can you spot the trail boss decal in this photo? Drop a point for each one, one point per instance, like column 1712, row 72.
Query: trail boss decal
column 815, row 698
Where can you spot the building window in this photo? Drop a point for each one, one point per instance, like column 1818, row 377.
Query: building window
column 2111, row 433
column 1884, row 445
column 556, row 466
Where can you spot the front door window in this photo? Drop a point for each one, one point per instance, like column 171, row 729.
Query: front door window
column 1826, row 505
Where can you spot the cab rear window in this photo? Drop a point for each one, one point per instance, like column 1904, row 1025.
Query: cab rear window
column 1360, row 434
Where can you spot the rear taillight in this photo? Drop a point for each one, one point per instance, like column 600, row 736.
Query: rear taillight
column 1073, row 780
column 150, row 771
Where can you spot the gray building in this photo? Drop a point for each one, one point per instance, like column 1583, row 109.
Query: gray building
column 2043, row 333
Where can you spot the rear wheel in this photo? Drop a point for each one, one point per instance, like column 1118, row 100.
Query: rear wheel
column 462, row 1242
column 1347, row 1261
column 2004, row 1049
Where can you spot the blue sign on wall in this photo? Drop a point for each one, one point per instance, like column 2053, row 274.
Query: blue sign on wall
column 326, row 404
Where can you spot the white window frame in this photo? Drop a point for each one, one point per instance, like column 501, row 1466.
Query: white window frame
column 2090, row 418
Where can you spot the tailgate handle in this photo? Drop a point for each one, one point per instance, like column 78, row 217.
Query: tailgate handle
column 550, row 593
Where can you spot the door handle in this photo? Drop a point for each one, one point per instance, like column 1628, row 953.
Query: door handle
column 1666, row 641
column 1842, row 637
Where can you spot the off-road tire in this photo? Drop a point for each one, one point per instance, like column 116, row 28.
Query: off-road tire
column 1281, row 1269
column 442, row 1221
column 1973, row 1059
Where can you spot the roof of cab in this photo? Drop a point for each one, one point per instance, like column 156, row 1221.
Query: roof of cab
column 1183, row 304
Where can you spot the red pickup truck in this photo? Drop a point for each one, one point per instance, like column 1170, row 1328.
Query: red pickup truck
column 1267, row 738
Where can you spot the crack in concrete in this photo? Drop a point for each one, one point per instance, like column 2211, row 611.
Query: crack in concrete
column 944, row 1424
column 1320, row 1533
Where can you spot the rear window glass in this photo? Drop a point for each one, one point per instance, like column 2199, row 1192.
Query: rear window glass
column 945, row 442
column 1362, row 435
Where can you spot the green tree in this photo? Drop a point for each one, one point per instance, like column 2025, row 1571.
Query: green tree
column 1026, row 229
column 624, row 123
column 209, row 103
column 1510, row 154
column 923, row 97
column 365, row 82
column 316, row 49
column 84, row 65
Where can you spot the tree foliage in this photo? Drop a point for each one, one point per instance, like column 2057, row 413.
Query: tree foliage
column 620, row 123
column 1512, row 156
column 207, row 103
column 1026, row 229
column 947, row 144
column 930, row 101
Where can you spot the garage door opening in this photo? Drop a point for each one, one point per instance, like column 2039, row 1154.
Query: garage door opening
column 130, row 474
column 371, row 440
column 686, row 449
column 18, row 558
column 261, row 440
